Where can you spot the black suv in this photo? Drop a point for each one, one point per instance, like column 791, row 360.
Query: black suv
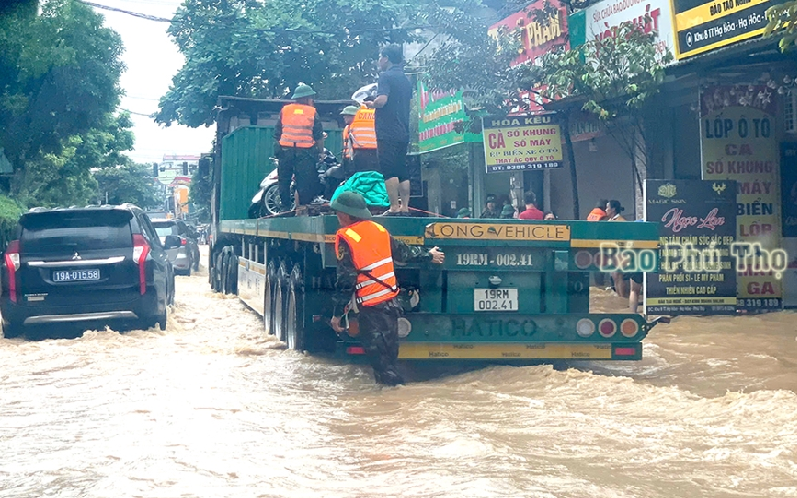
column 95, row 264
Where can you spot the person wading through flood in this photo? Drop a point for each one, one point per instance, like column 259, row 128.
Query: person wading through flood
column 366, row 252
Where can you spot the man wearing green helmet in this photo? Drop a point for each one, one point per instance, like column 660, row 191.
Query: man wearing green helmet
column 299, row 142
column 366, row 252
column 348, row 114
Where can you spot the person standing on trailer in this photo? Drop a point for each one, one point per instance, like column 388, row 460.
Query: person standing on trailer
column 362, row 134
column 365, row 252
column 392, row 124
column 348, row 114
column 299, row 144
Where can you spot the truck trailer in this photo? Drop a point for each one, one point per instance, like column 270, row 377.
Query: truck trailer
column 509, row 290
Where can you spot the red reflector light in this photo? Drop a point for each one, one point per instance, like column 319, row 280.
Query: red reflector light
column 624, row 351
column 140, row 252
column 355, row 350
column 183, row 241
column 12, row 265
column 607, row 328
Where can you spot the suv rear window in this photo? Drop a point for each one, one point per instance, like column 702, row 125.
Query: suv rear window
column 165, row 228
column 56, row 231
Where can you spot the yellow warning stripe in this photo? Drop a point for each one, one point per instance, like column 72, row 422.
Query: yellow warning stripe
column 630, row 244
column 506, row 351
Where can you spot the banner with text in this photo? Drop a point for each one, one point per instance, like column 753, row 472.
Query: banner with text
column 516, row 143
column 442, row 120
column 738, row 142
column 697, row 225
column 703, row 25
column 601, row 20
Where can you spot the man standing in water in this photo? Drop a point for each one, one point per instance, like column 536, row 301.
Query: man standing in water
column 365, row 252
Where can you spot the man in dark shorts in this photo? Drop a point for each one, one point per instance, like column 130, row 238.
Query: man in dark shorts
column 392, row 121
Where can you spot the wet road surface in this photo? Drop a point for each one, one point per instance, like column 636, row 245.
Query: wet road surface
column 210, row 408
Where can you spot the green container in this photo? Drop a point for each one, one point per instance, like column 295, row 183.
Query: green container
column 246, row 160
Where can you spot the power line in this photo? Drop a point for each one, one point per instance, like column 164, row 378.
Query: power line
column 135, row 14
column 136, row 113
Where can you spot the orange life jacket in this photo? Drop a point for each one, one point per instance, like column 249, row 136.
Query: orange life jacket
column 369, row 243
column 347, row 149
column 596, row 214
column 297, row 126
column 362, row 131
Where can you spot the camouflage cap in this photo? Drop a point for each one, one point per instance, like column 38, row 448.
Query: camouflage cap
column 352, row 204
column 303, row 90
column 350, row 110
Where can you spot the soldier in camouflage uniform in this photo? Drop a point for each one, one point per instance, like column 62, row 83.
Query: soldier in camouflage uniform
column 378, row 322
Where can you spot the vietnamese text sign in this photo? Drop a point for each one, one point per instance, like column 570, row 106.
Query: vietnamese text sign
column 738, row 142
column 519, row 143
column 440, row 116
column 697, row 225
column 601, row 20
column 535, row 38
column 703, row 25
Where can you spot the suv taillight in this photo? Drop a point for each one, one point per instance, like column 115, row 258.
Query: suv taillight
column 12, row 265
column 140, row 251
column 183, row 241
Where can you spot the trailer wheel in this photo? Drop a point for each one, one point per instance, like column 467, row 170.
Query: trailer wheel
column 294, row 325
column 225, row 265
column 279, row 301
column 268, row 298
column 231, row 280
column 216, row 283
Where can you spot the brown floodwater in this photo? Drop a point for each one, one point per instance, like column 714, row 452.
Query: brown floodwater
column 210, row 408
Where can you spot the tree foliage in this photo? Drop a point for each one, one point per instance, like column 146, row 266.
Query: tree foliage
column 59, row 77
column 250, row 48
column 130, row 183
column 782, row 22
column 65, row 178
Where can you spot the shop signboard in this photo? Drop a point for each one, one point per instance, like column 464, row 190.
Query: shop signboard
column 788, row 168
column 601, row 20
column 697, row 226
column 535, row 38
column 516, row 143
column 738, row 142
column 441, row 119
column 704, row 25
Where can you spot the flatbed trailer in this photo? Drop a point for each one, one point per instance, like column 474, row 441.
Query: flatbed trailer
column 508, row 290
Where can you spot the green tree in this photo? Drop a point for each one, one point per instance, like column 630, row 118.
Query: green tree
column 250, row 48
column 59, row 77
column 782, row 22
column 130, row 183
column 64, row 179
column 615, row 78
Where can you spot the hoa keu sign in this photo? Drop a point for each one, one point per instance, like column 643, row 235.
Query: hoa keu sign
column 516, row 143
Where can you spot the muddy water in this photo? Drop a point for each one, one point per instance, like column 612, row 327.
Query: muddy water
column 209, row 408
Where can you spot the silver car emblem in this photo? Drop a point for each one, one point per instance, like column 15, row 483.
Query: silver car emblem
column 76, row 256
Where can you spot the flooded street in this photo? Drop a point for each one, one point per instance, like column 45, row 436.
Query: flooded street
column 210, row 408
